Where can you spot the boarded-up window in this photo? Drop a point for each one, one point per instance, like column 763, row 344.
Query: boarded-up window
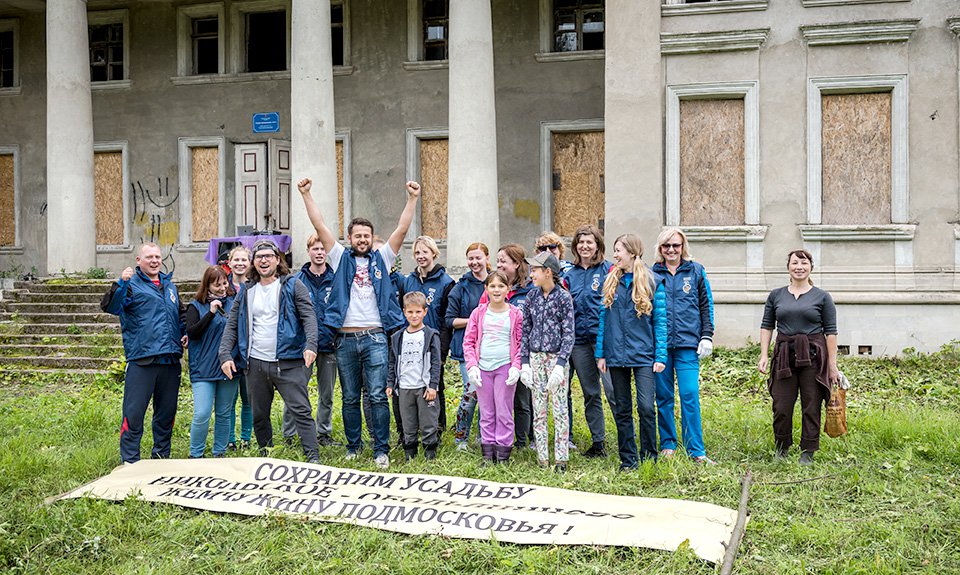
column 433, row 178
column 8, row 202
column 205, row 185
column 856, row 144
column 711, row 162
column 577, row 180
column 340, row 187
column 108, row 192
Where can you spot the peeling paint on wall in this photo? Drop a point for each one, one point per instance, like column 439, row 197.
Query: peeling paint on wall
column 527, row 210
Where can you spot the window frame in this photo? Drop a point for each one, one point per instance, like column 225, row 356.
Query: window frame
column 546, row 53
column 238, row 34
column 122, row 147
column 347, row 65
column 17, row 247
column 107, row 17
column 415, row 48
column 12, row 25
column 185, row 200
column 344, row 137
column 547, row 129
column 185, row 56
column 414, row 136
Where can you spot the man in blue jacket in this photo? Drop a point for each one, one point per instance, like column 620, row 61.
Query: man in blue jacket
column 318, row 277
column 274, row 327
column 153, row 338
column 363, row 307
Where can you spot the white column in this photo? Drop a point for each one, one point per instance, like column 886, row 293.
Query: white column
column 633, row 123
column 473, row 213
column 71, row 221
column 312, row 123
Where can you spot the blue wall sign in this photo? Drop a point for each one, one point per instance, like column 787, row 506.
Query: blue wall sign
column 266, row 122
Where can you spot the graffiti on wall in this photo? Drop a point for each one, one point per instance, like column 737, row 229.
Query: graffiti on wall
column 154, row 214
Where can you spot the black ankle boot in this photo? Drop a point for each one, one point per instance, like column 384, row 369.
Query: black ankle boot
column 489, row 452
column 502, row 453
column 410, row 451
column 430, row 451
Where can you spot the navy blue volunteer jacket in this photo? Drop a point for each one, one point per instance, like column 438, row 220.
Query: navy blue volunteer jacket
column 689, row 304
column 204, row 343
column 586, row 287
column 149, row 315
column 390, row 314
column 625, row 340
column 436, row 287
column 320, row 287
column 464, row 298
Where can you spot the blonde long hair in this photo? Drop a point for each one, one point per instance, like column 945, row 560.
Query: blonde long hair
column 642, row 292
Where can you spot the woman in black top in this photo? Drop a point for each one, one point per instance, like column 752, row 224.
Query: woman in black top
column 804, row 357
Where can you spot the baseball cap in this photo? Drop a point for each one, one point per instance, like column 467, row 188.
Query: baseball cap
column 265, row 245
column 545, row 260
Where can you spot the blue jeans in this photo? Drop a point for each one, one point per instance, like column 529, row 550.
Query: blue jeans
column 218, row 395
column 468, row 406
column 362, row 361
column 686, row 365
column 623, row 414
column 246, row 412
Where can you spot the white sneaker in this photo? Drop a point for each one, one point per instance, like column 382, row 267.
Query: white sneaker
column 462, row 446
column 351, row 455
column 382, row 461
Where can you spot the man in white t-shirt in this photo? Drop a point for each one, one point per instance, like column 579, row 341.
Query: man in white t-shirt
column 362, row 309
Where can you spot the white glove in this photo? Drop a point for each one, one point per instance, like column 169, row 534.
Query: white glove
column 512, row 376
column 558, row 377
column 473, row 376
column 526, row 375
column 705, row 348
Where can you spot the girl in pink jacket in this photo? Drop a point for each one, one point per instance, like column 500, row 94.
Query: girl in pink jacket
column 491, row 349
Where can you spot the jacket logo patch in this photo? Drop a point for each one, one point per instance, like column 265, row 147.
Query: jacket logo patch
column 596, row 283
column 326, row 298
column 173, row 297
column 430, row 295
column 377, row 274
column 686, row 285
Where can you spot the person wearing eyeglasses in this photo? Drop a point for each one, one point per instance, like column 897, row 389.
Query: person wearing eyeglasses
column 273, row 326
column 690, row 339
column 363, row 307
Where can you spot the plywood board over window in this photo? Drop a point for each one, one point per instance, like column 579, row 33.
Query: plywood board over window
column 856, row 143
column 433, row 178
column 108, row 194
column 8, row 202
column 340, row 187
column 712, row 162
column 205, row 183
column 577, row 180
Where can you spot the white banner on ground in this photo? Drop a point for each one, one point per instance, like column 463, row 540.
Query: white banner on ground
column 421, row 504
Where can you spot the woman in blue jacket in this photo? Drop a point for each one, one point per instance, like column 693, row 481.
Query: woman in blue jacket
column 631, row 339
column 464, row 298
column 431, row 279
column 585, row 279
column 690, row 339
column 205, row 318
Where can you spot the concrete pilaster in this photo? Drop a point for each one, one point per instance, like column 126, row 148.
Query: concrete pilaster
column 312, row 123
column 633, row 123
column 473, row 212
column 71, row 223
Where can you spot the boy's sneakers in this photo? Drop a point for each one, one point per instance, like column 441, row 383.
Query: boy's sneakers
column 382, row 461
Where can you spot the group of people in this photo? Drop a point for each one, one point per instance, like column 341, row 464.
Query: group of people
column 624, row 328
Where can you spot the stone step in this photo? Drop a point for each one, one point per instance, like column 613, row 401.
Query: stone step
column 29, row 318
column 15, row 374
column 51, row 308
column 62, row 329
column 88, row 286
column 90, row 339
column 58, row 362
column 23, row 296
column 63, row 351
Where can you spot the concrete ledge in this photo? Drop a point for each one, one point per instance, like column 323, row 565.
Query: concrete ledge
column 815, row 3
column 110, row 85
column 850, row 298
column 229, row 78
column 672, row 43
column 859, row 32
column 11, row 91
column 570, row 56
column 834, row 233
column 426, row 65
column 712, row 7
column 725, row 233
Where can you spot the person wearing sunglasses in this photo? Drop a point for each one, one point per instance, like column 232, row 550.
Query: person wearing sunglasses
column 550, row 242
column 690, row 339
column 273, row 327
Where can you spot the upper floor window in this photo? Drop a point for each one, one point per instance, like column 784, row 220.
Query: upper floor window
column 7, row 70
column 436, row 28
column 205, row 41
column 106, row 52
column 578, row 25
column 266, row 40
column 337, row 32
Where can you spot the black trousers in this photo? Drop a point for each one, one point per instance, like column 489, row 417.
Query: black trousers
column 812, row 395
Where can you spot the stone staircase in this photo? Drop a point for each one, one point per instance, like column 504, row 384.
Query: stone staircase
column 55, row 327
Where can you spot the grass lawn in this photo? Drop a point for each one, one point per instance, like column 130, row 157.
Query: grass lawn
column 883, row 499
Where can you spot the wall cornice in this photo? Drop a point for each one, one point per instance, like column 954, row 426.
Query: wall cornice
column 672, row 43
column 859, row 32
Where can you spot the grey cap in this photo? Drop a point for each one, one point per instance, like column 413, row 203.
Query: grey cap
column 545, row 260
